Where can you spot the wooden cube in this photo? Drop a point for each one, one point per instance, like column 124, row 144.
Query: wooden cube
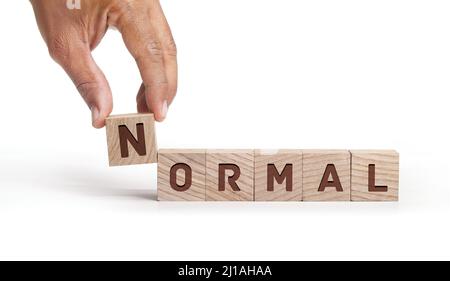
column 181, row 174
column 229, row 175
column 326, row 175
column 375, row 175
column 131, row 139
column 278, row 175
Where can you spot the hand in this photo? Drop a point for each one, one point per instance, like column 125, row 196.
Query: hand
column 71, row 34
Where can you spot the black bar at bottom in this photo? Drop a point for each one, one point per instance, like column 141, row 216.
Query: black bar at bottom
column 205, row 270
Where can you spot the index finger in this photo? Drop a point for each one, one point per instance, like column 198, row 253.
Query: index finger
column 142, row 42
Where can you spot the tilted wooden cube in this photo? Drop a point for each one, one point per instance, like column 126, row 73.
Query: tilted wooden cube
column 131, row 139
column 278, row 175
column 375, row 175
column 181, row 174
column 229, row 175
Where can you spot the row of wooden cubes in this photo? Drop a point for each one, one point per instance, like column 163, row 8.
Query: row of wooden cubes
column 261, row 175
column 277, row 175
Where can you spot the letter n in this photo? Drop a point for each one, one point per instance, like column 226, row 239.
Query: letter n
column 125, row 137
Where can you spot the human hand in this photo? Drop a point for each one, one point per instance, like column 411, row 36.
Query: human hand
column 71, row 32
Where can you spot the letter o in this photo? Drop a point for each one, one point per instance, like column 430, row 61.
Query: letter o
column 187, row 177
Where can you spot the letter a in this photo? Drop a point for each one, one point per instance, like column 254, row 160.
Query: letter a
column 335, row 182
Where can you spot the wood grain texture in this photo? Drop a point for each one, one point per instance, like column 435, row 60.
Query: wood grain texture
column 196, row 160
column 278, row 158
column 244, row 159
column 315, row 163
column 386, row 173
column 113, row 140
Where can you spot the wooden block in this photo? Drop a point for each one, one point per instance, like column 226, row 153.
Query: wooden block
column 181, row 174
column 326, row 175
column 131, row 139
column 229, row 175
column 375, row 175
column 278, row 175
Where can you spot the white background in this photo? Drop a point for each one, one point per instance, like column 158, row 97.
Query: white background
column 253, row 74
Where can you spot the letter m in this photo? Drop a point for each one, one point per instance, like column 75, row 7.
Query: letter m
column 273, row 174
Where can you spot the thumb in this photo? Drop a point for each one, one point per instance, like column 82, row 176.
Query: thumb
column 90, row 81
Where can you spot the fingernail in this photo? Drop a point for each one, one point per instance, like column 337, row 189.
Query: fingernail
column 95, row 115
column 164, row 110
